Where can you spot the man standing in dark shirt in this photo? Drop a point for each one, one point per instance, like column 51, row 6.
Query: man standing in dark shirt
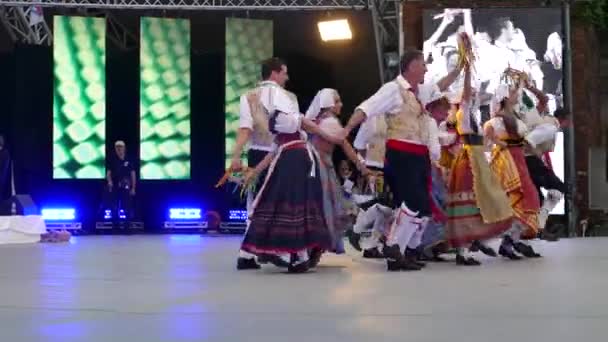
column 121, row 182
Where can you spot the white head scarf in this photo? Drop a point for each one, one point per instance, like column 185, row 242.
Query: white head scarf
column 502, row 92
column 325, row 98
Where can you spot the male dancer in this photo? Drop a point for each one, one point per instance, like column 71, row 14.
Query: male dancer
column 412, row 139
column 540, row 141
column 374, row 215
column 253, row 126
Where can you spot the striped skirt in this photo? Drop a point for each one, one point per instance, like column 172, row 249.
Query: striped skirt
column 509, row 165
column 288, row 212
column 477, row 206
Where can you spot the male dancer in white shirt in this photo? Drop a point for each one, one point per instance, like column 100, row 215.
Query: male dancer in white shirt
column 253, row 127
column 411, row 145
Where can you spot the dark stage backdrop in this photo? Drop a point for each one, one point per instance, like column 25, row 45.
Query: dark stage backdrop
column 27, row 86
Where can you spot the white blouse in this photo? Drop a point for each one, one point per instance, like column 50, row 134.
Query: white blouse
column 500, row 131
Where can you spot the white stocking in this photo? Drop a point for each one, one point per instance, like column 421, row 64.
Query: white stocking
column 365, row 220
column 417, row 237
column 403, row 228
column 551, row 201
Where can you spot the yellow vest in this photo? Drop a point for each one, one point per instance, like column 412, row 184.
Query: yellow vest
column 411, row 123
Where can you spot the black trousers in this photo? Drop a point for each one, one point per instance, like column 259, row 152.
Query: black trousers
column 120, row 199
column 408, row 176
column 543, row 177
column 254, row 157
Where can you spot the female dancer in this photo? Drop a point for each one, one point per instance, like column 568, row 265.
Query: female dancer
column 287, row 218
column 477, row 207
column 323, row 110
column 508, row 162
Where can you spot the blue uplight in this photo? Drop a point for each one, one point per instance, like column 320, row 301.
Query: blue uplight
column 59, row 214
column 185, row 213
column 108, row 214
column 237, row 215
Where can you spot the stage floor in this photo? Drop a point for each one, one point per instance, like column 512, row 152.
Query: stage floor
column 186, row 288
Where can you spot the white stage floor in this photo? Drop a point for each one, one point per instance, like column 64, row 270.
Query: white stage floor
column 186, row 288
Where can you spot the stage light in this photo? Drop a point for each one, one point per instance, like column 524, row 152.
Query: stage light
column 185, row 213
column 335, row 30
column 108, row 214
column 61, row 219
column 237, row 215
column 237, row 221
column 59, row 214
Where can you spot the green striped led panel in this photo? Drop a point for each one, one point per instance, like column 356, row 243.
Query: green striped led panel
column 248, row 42
column 79, row 97
column 165, row 98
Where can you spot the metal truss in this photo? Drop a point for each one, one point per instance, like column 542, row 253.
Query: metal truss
column 197, row 4
column 115, row 31
column 387, row 19
column 17, row 21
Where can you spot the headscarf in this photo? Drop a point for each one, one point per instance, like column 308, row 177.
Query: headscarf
column 502, row 92
column 325, row 98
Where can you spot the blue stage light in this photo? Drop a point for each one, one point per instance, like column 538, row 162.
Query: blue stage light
column 185, row 213
column 237, row 215
column 107, row 215
column 59, row 214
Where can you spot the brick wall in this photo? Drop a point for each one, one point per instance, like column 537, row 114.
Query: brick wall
column 589, row 117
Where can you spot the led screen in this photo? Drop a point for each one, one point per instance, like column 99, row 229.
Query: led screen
column 165, row 98
column 248, row 42
column 79, row 97
column 527, row 39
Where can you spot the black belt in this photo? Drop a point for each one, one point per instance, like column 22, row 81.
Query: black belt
column 514, row 142
column 472, row 139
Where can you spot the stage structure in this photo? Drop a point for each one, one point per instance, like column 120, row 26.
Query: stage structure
column 386, row 14
column 26, row 24
column 199, row 4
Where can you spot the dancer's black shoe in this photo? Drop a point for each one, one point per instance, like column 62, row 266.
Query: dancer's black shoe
column 487, row 250
column 462, row 261
column 373, row 253
column 298, row 268
column 506, row 249
column 315, row 257
column 526, row 250
column 247, row 264
column 354, row 239
column 396, row 262
column 412, row 255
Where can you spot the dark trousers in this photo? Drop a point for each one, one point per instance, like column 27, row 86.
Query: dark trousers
column 408, row 176
column 543, row 177
column 120, row 199
column 254, row 157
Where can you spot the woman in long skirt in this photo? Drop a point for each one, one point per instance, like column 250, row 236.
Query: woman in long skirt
column 477, row 207
column 324, row 109
column 508, row 162
column 288, row 219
